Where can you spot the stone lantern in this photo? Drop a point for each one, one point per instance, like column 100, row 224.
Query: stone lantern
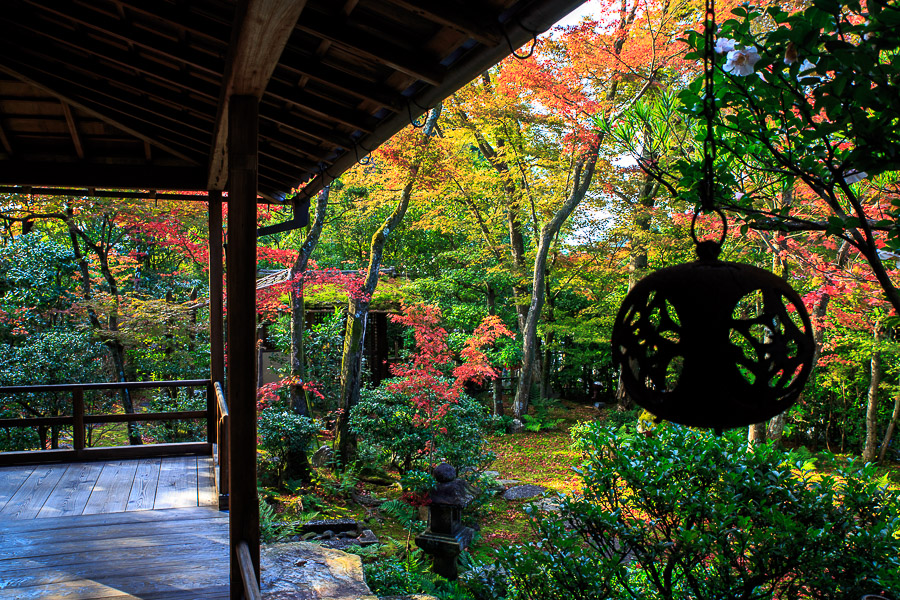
column 446, row 537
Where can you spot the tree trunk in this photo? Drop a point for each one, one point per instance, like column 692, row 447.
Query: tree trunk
column 355, row 335
column 756, row 434
column 775, row 432
column 299, row 397
column 116, row 350
column 895, row 416
column 584, row 173
column 496, row 382
column 871, row 445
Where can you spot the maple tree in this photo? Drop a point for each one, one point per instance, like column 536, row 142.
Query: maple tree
column 412, row 162
column 428, row 390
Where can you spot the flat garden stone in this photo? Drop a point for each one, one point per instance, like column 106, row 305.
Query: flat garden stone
column 494, row 474
column 507, row 482
column 304, row 571
column 549, row 505
column 334, row 525
column 524, row 492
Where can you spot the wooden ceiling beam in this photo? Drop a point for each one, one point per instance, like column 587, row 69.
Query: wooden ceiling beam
column 363, row 45
column 306, row 66
column 305, row 128
column 260, row 33
column 81, row 175
column 319, row 107
column 4, row 141
column 455, row 16
column 523, row 26
column 73, row 130
column 193, row 22
column 123, row 61
column 192, row 132
column 126, row 32
column 124, row 123
column 277, row 153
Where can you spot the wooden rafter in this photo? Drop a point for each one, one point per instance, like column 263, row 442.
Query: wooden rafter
column 55, row 174
column 73, row 130
column 178, row 134
column 342, row 34
column 261, row 30
column 148, row 82
column 455, row 16
column 112, row 28
column 123, row 63
column 4, row 141
column 125, row 123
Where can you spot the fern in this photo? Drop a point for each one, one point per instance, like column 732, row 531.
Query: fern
column 405, row 514
column 271, row 529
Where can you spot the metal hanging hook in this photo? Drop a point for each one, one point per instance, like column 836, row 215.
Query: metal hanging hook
column 513, row 50
column 414, row 122
column 366, row 159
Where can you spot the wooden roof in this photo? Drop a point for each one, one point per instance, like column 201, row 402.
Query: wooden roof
column 133, row 94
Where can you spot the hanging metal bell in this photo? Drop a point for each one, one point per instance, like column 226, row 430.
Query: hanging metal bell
column 713, row 344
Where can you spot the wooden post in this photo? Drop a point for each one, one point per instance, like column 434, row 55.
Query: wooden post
column 243, row 126
column 216, row 312
column 78, row 421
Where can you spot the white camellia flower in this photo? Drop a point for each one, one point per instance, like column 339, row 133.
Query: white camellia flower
column 741, row 62
column 724, row 45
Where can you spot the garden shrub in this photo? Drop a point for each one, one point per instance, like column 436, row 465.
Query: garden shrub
column 182, row 430
column 414, row 438
column 685, row 514
column 283, row 433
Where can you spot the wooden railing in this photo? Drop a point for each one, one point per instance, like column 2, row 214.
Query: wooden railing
column 220, row 448
column 248, row 573
column 79, row 420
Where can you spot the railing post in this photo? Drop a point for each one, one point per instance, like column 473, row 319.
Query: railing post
column 216, row 296
column 78, row 421
column 212, row 431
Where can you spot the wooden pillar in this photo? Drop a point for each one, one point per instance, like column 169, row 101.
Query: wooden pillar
column 216, row 312
column 242, row 181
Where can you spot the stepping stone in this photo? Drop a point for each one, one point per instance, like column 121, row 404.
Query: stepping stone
column 549, row 505
column 524, row 492
column 334, row 525
column 304, row 571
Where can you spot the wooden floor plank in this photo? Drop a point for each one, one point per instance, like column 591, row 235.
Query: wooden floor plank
column 171, row 514
column 58, row 541
column 47, row 550
column 11, row 479
column 113, row 487
column 184, row 579
column 76, row 561
column 28, row 500
column 143, row 491
column 177, row 486
column 157, row 560
column 72, row 491
column 206, row 482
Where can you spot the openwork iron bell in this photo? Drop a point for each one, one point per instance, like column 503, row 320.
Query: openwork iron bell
column 713, row 344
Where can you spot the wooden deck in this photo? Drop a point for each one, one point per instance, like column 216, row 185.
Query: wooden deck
column 144, row 529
